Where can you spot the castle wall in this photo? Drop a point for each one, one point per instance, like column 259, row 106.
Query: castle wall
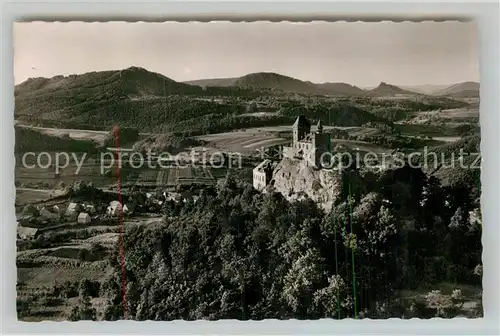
column 259, row 180
column 288, row 152
column 322, row 146
column 262, row 174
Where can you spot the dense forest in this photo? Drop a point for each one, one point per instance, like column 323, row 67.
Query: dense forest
column 239, row 254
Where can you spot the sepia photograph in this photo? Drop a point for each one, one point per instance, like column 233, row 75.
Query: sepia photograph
column 247, row 170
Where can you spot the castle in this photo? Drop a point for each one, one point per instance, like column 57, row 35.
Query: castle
column 306, row 145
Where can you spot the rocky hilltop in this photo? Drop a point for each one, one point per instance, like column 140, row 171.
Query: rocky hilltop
column 294, row 179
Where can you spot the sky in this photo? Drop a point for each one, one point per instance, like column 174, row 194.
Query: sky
column 358, row 53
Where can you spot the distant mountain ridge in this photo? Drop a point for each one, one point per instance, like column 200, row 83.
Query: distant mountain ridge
column 136, row 97
column 274, row 81
column 388, row 90
column 342, row 88
column 152, row 102
column 427, row 89
column 129, row 81
column 141, row 82
column 464, row 89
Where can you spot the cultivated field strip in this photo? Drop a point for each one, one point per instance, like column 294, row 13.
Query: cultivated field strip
column 175, row 175
column 31, row 178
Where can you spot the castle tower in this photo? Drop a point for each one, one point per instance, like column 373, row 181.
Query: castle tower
column 319, row 127
column 321, row 144
column 300, row 128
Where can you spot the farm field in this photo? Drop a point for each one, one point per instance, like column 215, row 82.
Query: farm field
column 256, row 130
column 454, row 116
column 47, row 178
column 250, row 140
column 433, row 130
column 359, row 146
column 29, row 195
column 259, row 114
column 439, row 138
column 78, row 134
column 172, row 176
column 97, row 136
column 242, row 142
column 447, row 139
column 39, row 184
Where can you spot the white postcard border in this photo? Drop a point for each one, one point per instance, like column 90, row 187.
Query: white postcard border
column 486, row 14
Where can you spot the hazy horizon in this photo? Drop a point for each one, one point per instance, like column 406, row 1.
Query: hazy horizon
column 361, row 54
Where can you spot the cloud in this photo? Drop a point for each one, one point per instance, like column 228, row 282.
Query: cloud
column 187, row 70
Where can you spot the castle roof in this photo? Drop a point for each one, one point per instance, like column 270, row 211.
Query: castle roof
column 301, row 121
column 263, row 166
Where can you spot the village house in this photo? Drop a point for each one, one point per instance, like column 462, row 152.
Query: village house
column 114, row 208
column 27, row 233
column 178, row 197
column 73, row 210
column 126, row 209
column 84, row 218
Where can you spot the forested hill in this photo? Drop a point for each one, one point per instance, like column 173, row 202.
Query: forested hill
column 135, row 97
column 133, row 81
column 129, row 97
column 465, row 89
column 245, row 255
column 387, row 90
column 270, row 80
column 277, row 82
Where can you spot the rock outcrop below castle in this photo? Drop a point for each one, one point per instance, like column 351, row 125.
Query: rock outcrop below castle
column 295, row 179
